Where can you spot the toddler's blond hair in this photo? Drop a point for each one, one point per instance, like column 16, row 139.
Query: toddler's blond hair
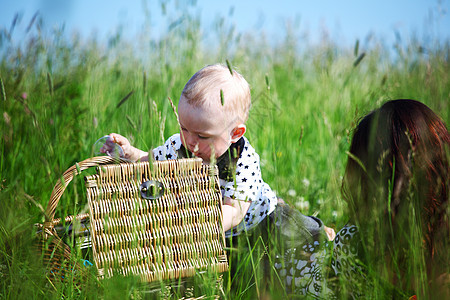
column 204, row 89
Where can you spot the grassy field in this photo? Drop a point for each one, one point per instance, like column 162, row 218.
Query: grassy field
column 59, row 95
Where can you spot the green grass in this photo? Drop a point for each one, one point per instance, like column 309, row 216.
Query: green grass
column 58, row 96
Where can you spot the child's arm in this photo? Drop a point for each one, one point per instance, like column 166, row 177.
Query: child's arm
column 130, row 152
column 233, row 212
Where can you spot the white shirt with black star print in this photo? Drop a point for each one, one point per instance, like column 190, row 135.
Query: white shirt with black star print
column 246, row 186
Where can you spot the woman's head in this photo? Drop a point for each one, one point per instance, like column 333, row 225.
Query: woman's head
column 398, row 165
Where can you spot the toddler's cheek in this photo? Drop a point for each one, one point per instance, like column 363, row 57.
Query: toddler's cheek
column 182, row 140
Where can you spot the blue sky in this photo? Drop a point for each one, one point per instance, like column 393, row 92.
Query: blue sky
column 345, row 20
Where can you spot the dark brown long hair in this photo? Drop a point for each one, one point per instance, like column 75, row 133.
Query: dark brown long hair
column 398, row 174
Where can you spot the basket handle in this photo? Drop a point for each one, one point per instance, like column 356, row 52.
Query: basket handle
column 67, row 177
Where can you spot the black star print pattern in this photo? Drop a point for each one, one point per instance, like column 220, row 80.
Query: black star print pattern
column 248, row 184
column 169, row 149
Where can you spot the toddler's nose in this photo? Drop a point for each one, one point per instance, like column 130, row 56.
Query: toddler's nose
column 193, row 147
column 191, row 141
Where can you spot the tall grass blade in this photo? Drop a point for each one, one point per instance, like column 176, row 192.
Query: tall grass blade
column 301, row 136
column 19, row 78
column 174, row 108
column 383, row 80
column 130, row 121
column 359, row 59
column 32, row 21
column 124, row 99
column 14, row 23
column 266, row 77
column 144, row 83
column 229, row 67
column 356, row 49
column 50, row 83
column 175, row 23
column 357, row 160
column 2, row 87
column 221, row 97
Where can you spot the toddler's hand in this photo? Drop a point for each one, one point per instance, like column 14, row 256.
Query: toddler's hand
column 120, row 140
column 129, row 152
column 110, row 147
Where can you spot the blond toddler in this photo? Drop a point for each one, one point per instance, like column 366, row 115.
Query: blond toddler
column 212, row 112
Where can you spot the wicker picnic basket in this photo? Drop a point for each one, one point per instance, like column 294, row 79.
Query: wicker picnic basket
column 159, row 220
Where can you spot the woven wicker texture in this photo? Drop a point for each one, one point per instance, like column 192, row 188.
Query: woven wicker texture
column 171, row 235
column 56, row 254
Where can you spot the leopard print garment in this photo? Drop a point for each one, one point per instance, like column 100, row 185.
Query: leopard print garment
column 345, row 262
column 304, row 272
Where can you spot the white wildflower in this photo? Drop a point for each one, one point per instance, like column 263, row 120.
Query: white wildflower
column 305, row 182
column 301, row 204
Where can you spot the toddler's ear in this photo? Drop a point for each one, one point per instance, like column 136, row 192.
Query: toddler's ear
column 238, row 132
